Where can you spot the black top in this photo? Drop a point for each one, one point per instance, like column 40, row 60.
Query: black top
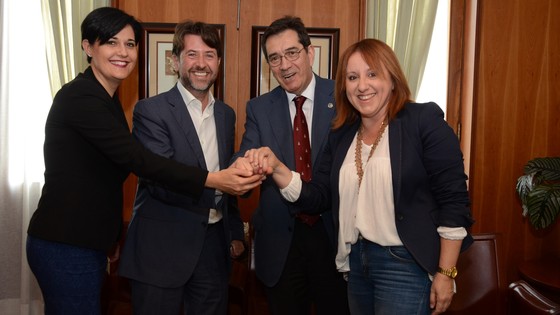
column 89, row 152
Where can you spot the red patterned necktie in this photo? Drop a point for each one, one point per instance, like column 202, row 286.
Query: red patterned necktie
column 302, row 147
column 302, row 151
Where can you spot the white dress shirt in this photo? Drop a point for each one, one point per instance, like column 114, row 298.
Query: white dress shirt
column 205, row 126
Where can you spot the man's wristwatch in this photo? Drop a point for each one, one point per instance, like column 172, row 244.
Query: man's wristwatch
column 451, row 272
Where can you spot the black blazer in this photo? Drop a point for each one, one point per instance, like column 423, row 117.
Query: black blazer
column 89, row 152
column 429, row 182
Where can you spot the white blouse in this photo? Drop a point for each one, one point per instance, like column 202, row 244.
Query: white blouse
column 369, row 211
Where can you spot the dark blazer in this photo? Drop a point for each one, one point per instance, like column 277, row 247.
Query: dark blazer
column 429, row 182
column 167, row 231
column 269, row 124
column 89, row 152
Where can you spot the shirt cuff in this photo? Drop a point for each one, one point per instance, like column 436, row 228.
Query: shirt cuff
column 293, row 190
column 452, row 233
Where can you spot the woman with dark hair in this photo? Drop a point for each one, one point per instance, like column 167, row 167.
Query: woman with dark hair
column 89, row 152
column 393, row 174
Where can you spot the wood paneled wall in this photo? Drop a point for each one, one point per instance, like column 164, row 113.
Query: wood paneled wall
column 315, row 13
column 516, row 118
column 516, row 114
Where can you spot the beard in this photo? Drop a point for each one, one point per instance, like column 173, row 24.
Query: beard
column 192, row 83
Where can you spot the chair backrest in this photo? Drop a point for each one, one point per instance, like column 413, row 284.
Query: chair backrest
column 525, row 300
column 480, row 283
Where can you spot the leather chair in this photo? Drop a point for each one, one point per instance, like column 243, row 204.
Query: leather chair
column 525, row 300
column 480, row 282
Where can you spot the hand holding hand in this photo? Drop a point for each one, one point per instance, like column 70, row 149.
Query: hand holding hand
column 234, row 181
column 263, row 160
column 243, row 163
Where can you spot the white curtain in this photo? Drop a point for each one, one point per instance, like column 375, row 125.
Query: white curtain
column 62, row 20
column 25, row 93
column 406, row 26
column 26, row 89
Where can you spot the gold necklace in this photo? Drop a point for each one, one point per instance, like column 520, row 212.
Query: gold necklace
column 358, row 153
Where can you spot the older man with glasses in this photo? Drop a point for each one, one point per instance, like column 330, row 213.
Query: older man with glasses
column 294, row 251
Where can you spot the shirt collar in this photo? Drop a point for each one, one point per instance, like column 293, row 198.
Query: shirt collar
column 308, row 92
column 190, row 100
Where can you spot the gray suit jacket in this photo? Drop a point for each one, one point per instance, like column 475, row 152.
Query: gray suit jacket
column 269, row 124
column 167, row 231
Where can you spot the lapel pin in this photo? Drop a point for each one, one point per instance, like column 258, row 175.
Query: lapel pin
column 330, row 105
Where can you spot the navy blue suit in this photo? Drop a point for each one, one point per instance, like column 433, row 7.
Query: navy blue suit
column 168, row 230
column 429, row 183
column 269, row 124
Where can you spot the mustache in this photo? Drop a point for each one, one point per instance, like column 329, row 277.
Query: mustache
column 198, row 68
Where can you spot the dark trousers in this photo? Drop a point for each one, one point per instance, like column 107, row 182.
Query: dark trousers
column 309, row 277
column 206, row 291
column 70, row 277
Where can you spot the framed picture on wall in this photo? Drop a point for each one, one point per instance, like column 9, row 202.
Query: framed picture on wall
column 325, row 41
column 156, row 74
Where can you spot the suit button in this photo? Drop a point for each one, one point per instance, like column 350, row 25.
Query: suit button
column 400, row 217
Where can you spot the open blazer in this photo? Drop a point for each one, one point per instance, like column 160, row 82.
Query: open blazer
column 429, row 182
column 167, row 231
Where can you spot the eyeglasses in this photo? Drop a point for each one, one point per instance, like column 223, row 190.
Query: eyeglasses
column 291, row 55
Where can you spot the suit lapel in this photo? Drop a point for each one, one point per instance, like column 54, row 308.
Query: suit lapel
column 342, row 148
column 184, row 121
column 323, row 113
column 220, row 119
column 280, row 121
column 395, row 155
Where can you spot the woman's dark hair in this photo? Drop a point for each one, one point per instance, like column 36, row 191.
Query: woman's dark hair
column 207, row 32
column 103, row 23
column 286, row 23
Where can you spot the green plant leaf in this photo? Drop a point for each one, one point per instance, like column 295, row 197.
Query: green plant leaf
column 543, row 205
column 539, row 191
column 548, row 168
column 523, row 187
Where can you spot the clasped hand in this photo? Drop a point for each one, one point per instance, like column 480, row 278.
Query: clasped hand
column 246, row 173
column 234, row 180
column 260, row 161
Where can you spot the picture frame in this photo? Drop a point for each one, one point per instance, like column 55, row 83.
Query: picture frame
column 155, row 74
column 324, row 40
